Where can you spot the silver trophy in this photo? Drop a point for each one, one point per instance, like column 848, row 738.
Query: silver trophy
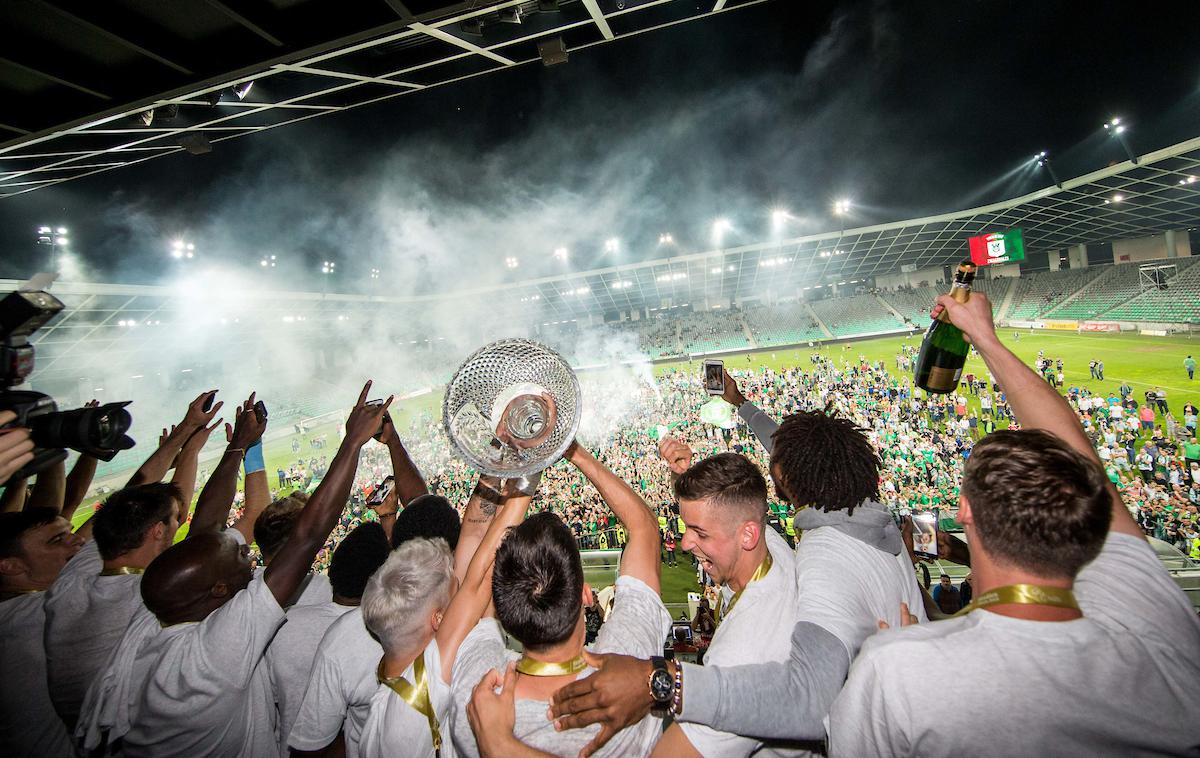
column 512, row 409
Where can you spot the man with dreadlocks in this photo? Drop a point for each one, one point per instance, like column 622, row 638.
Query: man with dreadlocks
column 852, row 572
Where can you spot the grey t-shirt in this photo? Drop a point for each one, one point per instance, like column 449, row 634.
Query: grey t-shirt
column 637, row 626
column 1119, row 681
column 28, row 724
column 86, row 616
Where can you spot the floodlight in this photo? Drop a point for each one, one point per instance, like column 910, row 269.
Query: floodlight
column 62, row 230
column 243, row 89
column 612, row 245
column 665, row 239
column 561, row 253
column 43, row 230
column 60, row 240
column 841, row 207
column 263, row 262
column 779, row 218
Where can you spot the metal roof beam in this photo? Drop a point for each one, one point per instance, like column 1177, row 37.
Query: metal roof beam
column 245, row 22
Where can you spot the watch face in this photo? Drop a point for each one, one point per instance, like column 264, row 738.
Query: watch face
column 661, row 686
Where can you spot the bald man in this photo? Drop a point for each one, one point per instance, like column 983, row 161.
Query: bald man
column 192, row 680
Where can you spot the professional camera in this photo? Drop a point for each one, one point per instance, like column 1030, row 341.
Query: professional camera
column 98, row 432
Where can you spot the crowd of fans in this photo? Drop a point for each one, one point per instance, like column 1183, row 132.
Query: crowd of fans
column 359, row 600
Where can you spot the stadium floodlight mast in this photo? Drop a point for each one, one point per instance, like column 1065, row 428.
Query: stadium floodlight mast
column 511, row 262
column 841, row 207
column 181, row 249
column 562, row 254
column 612, row 245
column 268, row 261
column 1043, row 161
column 375, row 273
column 328, row 267
column 665, row 239
column 1117, row 130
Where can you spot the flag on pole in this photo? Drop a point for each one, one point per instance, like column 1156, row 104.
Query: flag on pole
column 998, row 247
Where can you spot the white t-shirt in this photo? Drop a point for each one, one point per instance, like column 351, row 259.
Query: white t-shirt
column 1119, row 681
column 637, row 626
column 340, row 688
column 757, row 630
column 846, row 586
column 202, row 688
column 86, row 616
column 395, row 728
column 28, row 723
column 290, row 657
column 314, row 588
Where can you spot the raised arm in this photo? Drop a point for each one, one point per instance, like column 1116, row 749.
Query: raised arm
column 475, row 593
column 49, row 488
column 320, row 515
column 641, row 557
column 79, row 481
column 212, row 507
column 1035, row 404
column 757, row 419
column 161, row 460
column 478, row 516
column 188, row 462
column 409, row 482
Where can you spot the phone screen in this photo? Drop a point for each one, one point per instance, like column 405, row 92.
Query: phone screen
column 208, row 401
column 714, row 377
column 382, row 491
column 260, row 410
column 925, row 535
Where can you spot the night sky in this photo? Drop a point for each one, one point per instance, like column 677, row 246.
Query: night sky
column 905, row 108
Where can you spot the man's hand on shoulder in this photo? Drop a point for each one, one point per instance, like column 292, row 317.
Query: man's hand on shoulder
column 615, row 696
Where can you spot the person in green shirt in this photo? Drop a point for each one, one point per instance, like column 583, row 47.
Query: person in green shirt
column 1189, row 365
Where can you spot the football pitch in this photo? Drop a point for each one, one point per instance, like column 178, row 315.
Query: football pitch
column 1145, row 362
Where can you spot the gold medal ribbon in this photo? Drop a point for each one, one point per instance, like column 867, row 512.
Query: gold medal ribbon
column 1024, row 594
column 122, row 571
column 759, row 573
column 531, row 667
column 416, row 696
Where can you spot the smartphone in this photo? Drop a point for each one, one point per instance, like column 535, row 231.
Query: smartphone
column 925, row 535
column 208, row 401
column 714, row 377
column 381, row 492
column 387, row 419
column 260, row 412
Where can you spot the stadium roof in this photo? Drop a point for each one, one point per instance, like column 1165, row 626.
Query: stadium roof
column 77, row 77
column 1155, row 194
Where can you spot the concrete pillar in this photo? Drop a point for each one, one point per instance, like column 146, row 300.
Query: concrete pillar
column 1077, row 256
column 1172, row 251
column 1053, row 258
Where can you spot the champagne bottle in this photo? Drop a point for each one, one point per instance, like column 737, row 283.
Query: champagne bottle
column 944, row 349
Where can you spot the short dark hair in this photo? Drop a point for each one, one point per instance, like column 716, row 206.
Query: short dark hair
column 1037, row 503
column 725, row 479
column 122, row 522
column 356, row 558
column 275, row 523
column 14, row 525
column 825, row 462
column 537, row 582
column 429, row 516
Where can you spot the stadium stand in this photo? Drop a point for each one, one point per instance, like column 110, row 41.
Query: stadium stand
column 1179, row 303
column 712, row 331
column 782, row 324
column 857, row 314
column 913, row 304
column 1038, row 293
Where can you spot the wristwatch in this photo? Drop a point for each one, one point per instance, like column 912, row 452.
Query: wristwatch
column 662, row 684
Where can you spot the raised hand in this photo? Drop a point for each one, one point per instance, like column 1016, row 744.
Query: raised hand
column 365, row 420
column 493, row 716
column 677, row 454
column 732, row 394
column 196, row 416
column 246, row 427
column 16, row 447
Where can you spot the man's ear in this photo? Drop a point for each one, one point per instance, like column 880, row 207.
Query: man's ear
column 587, row 595
column 220, row 589
column 750, row 533
column 13, row 566
column 964, row 511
